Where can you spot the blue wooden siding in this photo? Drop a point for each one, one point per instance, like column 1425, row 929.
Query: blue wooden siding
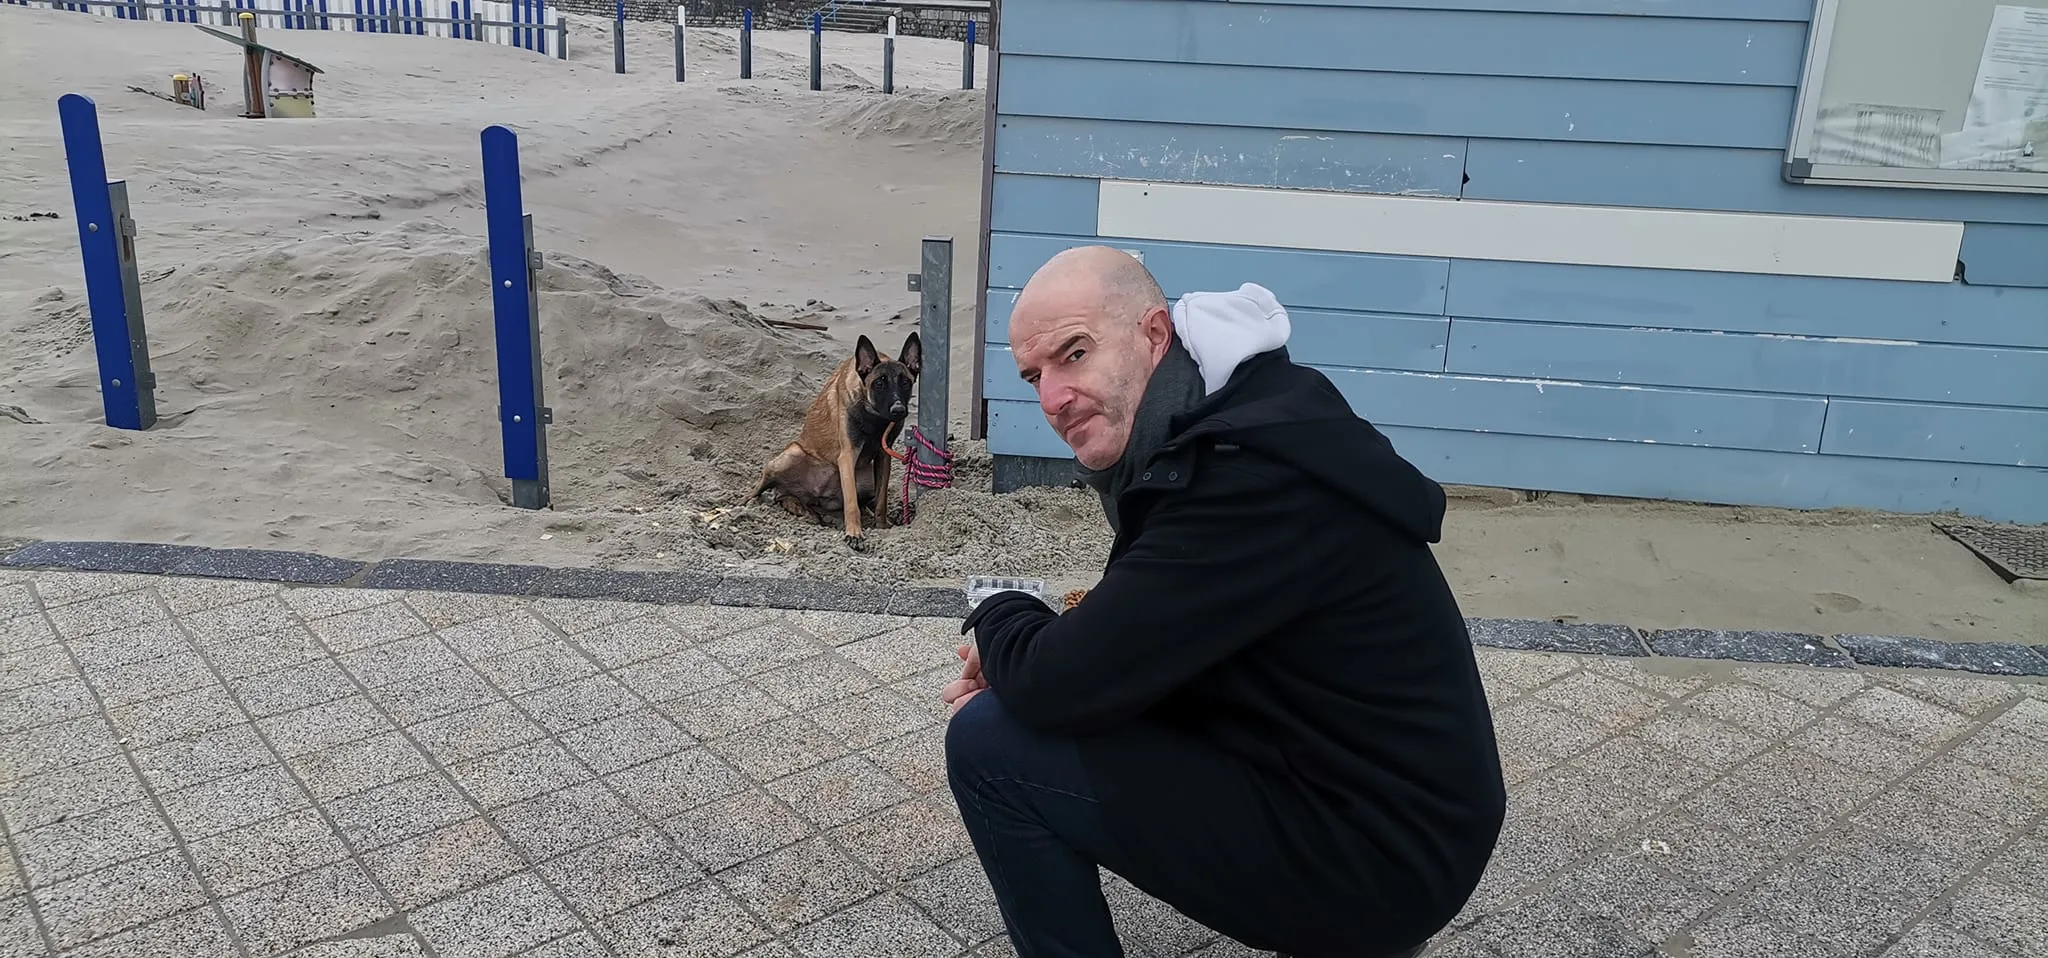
column 1720, row 387
column 1245, row 156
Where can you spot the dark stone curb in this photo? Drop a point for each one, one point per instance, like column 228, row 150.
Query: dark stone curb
column 1528, row 635
column 301, row 568
column 1780, row 648
column 1896, row 651
column 1543, row 635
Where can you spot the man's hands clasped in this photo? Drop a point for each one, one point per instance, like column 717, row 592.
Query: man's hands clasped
column 970, row 683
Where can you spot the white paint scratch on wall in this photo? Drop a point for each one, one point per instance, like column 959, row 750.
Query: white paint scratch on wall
column 1836, row 339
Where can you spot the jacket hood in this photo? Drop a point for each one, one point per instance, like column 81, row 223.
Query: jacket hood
column 1261, row 400
column 1222, row 330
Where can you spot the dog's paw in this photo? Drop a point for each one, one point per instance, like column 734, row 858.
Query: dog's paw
column 857, row 543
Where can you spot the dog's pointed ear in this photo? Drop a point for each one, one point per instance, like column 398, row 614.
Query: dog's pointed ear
column 864, row 357
column 912, row 355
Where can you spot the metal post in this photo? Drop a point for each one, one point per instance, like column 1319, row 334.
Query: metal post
column 476, row 23
column 113, row 293
column 515, row 287
column 967, row 60
column 252, row 70
column 681, row 15
column 747, row 43
column 619, row 39
column 817, row 51
column 934, row 284
column 561, row 39
column 889, row 58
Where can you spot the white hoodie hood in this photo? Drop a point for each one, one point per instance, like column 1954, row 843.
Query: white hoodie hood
column 1222, row 330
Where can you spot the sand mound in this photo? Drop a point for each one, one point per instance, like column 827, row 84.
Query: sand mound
column 951, row 118
column 368, row 360
column 387, row 339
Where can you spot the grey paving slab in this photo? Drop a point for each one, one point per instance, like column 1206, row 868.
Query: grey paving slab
column 571, row 763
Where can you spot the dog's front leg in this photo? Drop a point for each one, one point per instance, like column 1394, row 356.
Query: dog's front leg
column 882, row 489
column 849, row 491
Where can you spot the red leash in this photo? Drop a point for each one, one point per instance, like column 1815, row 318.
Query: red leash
column 929, row 476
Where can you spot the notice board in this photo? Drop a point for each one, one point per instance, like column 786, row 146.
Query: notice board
column 1928, row 94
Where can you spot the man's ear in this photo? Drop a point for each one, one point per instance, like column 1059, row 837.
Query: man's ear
column 864, row 357
column 912, row 354
column 1157, row 328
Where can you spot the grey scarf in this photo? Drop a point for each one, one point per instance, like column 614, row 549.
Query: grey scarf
column 1175, row 388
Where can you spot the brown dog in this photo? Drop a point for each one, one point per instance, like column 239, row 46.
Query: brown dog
column 840, row 460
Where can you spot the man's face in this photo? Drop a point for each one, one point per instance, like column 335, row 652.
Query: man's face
column 1089, row 363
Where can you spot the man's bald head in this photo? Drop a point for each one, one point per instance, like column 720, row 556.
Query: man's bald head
column 1109, row 277
column 1087, row 331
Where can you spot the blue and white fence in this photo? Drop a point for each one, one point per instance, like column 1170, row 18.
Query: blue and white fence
column 529, row 24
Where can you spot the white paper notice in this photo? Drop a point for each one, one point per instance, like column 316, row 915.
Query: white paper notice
column 2009, row 102
column 2017, row 147
column 2012, row 75
column 1870, row 134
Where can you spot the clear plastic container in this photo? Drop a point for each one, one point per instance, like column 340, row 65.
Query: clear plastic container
column 982, row 586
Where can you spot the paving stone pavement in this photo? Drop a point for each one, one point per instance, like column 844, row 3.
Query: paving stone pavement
column 194, row 766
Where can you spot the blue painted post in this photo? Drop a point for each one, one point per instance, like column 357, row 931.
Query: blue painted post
column 747, row 43
column 817, row 50
column 967, row 60
column 515, row 307
column 619, row 39
column 889, row 58
column 325, row 24
column 113, row 293
column 682, row 15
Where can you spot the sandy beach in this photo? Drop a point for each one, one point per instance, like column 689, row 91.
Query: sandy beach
column 316, row 292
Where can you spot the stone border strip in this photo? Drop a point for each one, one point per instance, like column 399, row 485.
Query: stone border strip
column 687, row 588
column 533, row 581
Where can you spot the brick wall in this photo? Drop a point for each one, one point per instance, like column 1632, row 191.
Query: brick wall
column 795, row 15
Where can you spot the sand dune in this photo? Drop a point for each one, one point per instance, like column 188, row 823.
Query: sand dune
column 318, row 305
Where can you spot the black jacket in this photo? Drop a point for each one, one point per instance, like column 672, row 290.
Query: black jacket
column 1272, row 684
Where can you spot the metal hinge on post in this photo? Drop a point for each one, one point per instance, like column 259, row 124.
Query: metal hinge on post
column 533, row 260
column 126, row 226
column 916, row 283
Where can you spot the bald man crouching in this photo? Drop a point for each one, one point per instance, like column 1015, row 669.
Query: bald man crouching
column 1266, row 714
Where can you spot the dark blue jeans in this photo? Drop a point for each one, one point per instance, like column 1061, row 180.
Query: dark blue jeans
column 1038, row 829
